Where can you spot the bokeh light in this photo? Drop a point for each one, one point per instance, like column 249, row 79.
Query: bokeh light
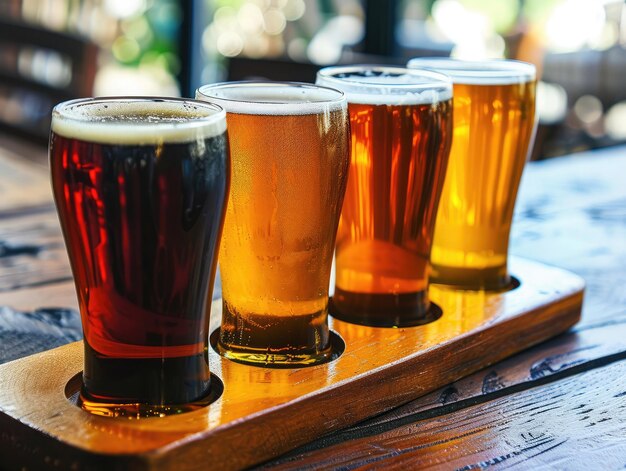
column 125, row 8
column 137, row 40
column 551, row 103
column 578, row 46
column 615, row 121
column 573, row 24
column 588, row 109
column 304, row 31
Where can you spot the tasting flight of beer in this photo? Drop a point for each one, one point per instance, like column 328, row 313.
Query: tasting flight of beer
column 397, row 177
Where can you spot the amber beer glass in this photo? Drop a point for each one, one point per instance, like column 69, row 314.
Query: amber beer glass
column 494, row 123
column 140, row 187
column 290, row 151
column 401, row 123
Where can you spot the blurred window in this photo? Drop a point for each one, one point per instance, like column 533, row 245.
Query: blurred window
column 138, row 41
column 170, row 47
column 316, row 31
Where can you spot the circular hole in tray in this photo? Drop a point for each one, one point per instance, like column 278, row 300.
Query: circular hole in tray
column 73, row 394
column 384, row 319
column 337, row 347
column 513, row 283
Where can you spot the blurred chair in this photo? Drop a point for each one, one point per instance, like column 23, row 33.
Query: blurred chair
column 38, row 69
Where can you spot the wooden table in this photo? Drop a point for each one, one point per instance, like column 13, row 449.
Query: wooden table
column 561, row 404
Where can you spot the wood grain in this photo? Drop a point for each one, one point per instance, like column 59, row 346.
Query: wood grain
column 571, row 213
column 23, row 184
column 25, row 151
column 39, row 330
column 577, row 423
column 32, row 252
column 260, row 413
column 578, row 350
column 57, row 294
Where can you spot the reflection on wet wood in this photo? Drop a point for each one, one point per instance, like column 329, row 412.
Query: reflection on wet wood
column 265, row 412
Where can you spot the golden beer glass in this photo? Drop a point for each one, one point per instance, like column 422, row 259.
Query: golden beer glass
column 401, row 124
column 290, row 158
column 494, row 125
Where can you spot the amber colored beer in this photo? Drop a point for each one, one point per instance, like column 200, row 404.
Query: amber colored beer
column 140, row 187
column 494, row 123
column 401, row 124
column 290, row 150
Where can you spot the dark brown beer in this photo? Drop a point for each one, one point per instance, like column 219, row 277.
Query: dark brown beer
column 400, row 146
column 141, row 198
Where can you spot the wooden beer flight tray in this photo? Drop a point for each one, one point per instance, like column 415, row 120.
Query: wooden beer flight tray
column 264, row 412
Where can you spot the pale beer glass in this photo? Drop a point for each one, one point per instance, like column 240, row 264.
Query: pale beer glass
column 494, row 125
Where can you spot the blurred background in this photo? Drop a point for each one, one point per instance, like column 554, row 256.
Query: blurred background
column 52, row 50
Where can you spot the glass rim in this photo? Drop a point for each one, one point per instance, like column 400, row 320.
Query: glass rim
column 429, row 86
column 60, row 110
column 73, row 119
column 329, row 74
column 278, row 103
column 489, row 71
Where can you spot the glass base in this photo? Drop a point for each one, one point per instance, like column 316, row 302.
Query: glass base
column 275, row 341
column 273, row 360
column 258, row 357
column 138, row 410
column 476, row 279
column 383, row 310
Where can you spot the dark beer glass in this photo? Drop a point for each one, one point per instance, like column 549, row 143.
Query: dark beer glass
column 140, row 186
column 401, row 123
column 290, row 150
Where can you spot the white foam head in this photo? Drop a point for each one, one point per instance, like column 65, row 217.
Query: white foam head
column 272, row 98
column 380, row 85
column 137, row 121
column 489, row 72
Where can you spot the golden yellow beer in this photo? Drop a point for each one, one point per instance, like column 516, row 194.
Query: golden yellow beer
column 494, row 123
column 401, row 124
column 290, row 155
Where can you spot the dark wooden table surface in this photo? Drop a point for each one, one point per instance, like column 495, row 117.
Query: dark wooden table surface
column 560, row 405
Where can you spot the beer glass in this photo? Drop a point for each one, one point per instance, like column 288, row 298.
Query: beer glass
column 494, row 124
column 401, row 123
column 290, row 151
column 140, row 186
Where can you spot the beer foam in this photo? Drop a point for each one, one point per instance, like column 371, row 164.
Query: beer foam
column 490, row 72
column 137, row 121
column 272, row 98
column 380, row 85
